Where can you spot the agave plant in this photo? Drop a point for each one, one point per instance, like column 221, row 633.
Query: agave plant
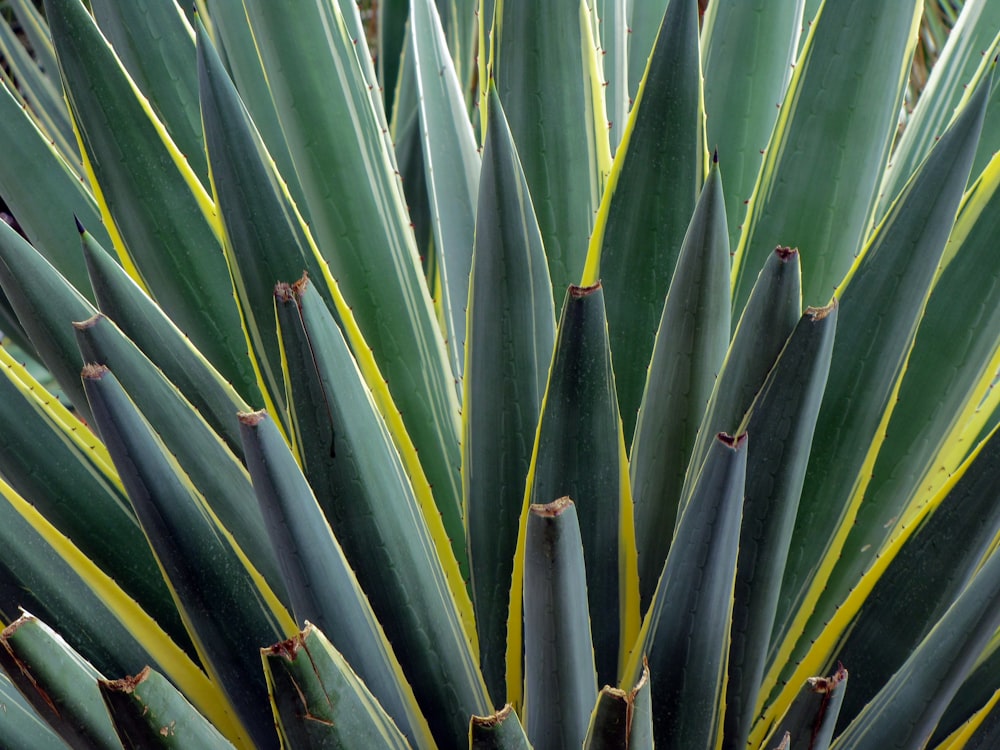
column 297, row 452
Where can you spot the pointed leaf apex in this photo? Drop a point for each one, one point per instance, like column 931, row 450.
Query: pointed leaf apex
column 715, row 156
column 79, row 226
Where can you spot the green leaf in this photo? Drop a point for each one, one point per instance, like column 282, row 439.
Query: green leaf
column 59, row 683
column 622, row 719
column 21, row 725
column 159, row 216
column 360, row 224
column 781, row 424
column 613, row 32
column 391, row 38
column 451, row 166
column 688, row 353
column 560, row 682
column 45, row 307
column 747, row 53
column 846, row 130
column 321, row 585
column 155, row 44
column 319, row 701
column 150, row 712
column 499, row 731
column 544, row 62
column 43, row 570
column 967, row 45
column 648, row 204
column 226, row 605
column 218, row 474
column 908, row 707
column 811, row 719
column 880, row 309
column 142, row 321
column 580, row 401
column 400, row 558
column 44, row 193
column 511, row 335
column 78, row 492
column 928, row 572
column 685, row 633
column 771, row 314
column 645, row 18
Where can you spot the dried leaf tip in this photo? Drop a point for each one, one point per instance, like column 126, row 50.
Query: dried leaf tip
column 553, row 509
column 8, row 631
column 578, row 292
column 127, row 684
column 288, row 292
column 824, row 685
column 786, row 253
column 92, row 371
column 818, row 313
column 733, row 441
column 93, row 320
column 495, row 719
column 252, row 418
column 289, row 649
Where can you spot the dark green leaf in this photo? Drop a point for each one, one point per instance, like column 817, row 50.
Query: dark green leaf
column 813, row 714
column 499, row 731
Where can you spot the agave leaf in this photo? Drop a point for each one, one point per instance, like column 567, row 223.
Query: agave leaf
column 225, row 603
column 511, row 335
column 612, row 31
column 747, row 52
column 560, row 684
column 168, row 79
column 39, row 89
column 309, row 554
column 45, row 307
column 688, row 353
column 218, row 474
column 59, row 683
column 645, row 19
column 499, row 731
column 543, row 59
column 451, row 166
column 160, row 218
column 622, row 719
column 79, row 492
column 811, row 718
column 264, row 239
column 881, row 304
column 928, row 572
column 781, row 425
column 142, row 321
column 974, row 703
column 391, row 39
column 359, row 222
column 36, row 31
column 908, row 707
column 685, row 633
column 940, row 405
column 967, row 44
column 319, row 701
column 43, row 570
column 648, row 203
column 399, row 555
column 580, row 401
column 818, row 126
column 21, row 725
column 772, row 312
column 150, row 712
column 44, row 192
column 233, row 38
column 982, row 731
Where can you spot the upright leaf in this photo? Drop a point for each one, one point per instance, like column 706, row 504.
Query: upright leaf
column 511, row 334
column 687, row 356
column 499, row 731
column 810, row 720
column 647, row 206
column 837, row 120
column 543, row 60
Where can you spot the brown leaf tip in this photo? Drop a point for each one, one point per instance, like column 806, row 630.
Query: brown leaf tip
column 93, row 320
column 825, row 685
column 818, row 313
column 578, row 292
column 786, row 253
column 553, row 509
column 495, row 719
column 252, row 418
column 12, row 628
column 127, row 685
column 92, row 371
column 734, row 442
column 289, row 650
